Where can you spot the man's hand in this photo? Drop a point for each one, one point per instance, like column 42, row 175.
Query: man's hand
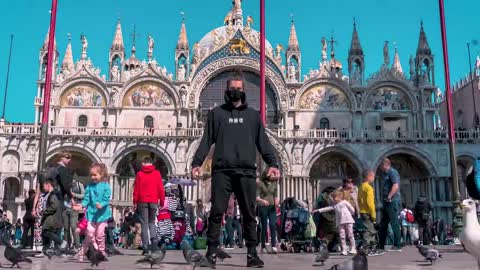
column 265, row 203
column 196, row 173
column 273, row 174
column 98, row 206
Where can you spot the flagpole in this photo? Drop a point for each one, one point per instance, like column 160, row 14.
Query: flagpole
column 48, row 88
column 262, row 64
column 457, row 212
column 6, row 81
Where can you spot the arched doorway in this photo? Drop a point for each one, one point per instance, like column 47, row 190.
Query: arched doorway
column 464, row 168
column 126, row 169
column 213, row 95
column 80, row 165
column 131, row 163
column 331, row 168
column 11, row 190
column 414, row 177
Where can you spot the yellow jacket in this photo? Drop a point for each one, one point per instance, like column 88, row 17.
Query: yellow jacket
column 366, row 200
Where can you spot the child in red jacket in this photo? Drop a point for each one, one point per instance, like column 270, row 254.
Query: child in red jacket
column 148, row 193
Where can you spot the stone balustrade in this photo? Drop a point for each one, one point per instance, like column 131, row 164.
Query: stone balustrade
column 345, row 136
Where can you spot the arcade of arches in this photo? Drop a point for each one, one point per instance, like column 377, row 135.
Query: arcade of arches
column 329, row 169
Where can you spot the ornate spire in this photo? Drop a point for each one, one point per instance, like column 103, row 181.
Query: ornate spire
column 134, row 39
column 423, row 47
column 397, row 66
column 68, row 58
column 293, row 40
column 45, row 42
column 182, row 43
column 355, row 47
column 117, row 43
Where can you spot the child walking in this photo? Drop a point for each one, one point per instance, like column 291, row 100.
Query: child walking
column 52, row 218
column 344, row 220
column 97, row 209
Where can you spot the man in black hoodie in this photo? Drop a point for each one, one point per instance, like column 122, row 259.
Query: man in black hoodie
column 237, row 132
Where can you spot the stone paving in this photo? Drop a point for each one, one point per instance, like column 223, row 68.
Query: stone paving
column 408, row 259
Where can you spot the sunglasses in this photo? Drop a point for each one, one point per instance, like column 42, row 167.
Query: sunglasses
column 67, row 157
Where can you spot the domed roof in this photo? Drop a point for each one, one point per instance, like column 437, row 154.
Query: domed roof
column 220, row 36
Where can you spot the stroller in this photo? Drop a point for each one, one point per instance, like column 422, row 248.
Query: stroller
column 182, row 229
column 294, row 223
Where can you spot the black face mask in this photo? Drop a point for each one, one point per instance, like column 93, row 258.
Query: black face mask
column 235, row 95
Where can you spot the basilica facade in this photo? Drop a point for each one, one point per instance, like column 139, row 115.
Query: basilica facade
column 328, row 124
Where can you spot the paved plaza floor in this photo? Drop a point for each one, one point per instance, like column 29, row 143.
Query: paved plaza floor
column 408, row 259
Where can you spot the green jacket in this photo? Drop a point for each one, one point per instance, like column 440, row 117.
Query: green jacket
column 52, row 217
column 267, row 190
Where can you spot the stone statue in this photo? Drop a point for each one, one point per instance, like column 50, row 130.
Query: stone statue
column 249, row 21
column 183, row 95
column 292, row 72
column 151, row 45
column 324, row 49
column 412, row 65
column 237, row 4
column 357, row 75
column 386, row 58
column 196, row 53
column 215, row 39
column 84, row 40
column 278, row 56
column 115, row 73
column 477, row 63
column 181, row 72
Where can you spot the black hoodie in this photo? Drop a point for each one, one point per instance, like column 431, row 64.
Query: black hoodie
column 237, row 133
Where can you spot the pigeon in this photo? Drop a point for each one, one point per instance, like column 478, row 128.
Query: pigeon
column 322, row 256
column 111, row 251
column 358, row 262
column 469, row 236
column 95, row 256
column 156, row 257
column 14, row 255
column 429, row 253
column 222, row 255
column 194, row 257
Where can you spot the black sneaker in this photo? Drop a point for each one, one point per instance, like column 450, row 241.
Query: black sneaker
column 254, row 261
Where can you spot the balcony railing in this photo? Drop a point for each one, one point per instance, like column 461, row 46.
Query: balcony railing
column 355, row 135
column 312, row 134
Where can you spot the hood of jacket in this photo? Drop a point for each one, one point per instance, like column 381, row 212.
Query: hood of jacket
column 148, row 168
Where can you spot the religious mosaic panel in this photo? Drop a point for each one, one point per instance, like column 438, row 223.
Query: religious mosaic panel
column 388, row 99
column 84, row 95
column 148, row 95
column 324, row 97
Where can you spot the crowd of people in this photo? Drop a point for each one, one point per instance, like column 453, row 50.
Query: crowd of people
column 64, row 215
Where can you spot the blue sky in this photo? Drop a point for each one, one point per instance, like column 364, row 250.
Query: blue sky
column 377, row 21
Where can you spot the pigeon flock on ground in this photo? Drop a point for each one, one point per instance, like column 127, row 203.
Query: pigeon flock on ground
column 469, row 237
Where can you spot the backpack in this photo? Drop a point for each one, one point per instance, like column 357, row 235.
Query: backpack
column 409, row 216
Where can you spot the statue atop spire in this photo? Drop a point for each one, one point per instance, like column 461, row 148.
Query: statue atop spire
column 386, row 57
column 151, row 45
column 235, row 15
column 84, row 40
column 324, row 49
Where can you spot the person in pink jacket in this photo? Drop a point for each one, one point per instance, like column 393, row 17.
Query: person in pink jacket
column 344, row 220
